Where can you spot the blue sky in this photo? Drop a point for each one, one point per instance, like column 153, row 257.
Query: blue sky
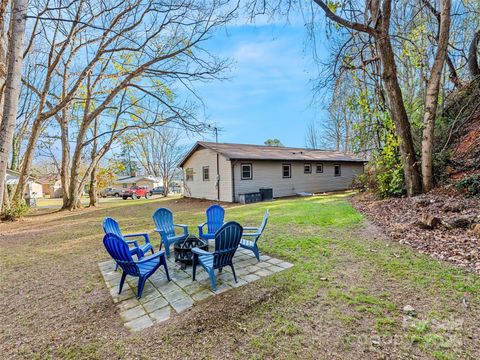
column 268, row 93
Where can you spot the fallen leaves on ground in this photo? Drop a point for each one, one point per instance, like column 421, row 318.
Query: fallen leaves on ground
column 401, row 219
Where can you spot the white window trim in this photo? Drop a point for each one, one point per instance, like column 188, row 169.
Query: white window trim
column 251, row 171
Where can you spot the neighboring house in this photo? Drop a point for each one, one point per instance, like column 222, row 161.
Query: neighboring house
column 141, row 180
column 33, row 189
column 247, row 168
column 52, row 185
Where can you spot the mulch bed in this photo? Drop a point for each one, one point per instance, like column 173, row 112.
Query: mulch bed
column 442, row 224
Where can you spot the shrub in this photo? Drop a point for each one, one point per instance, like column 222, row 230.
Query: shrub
column 16, row 211
column 470, row 184
column 391, row 182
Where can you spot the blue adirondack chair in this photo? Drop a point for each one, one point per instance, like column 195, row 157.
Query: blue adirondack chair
column 227, row 239
column 163, row 219
column 215, row 219
column 110, row 226
column 120, row 252
column 254, row 236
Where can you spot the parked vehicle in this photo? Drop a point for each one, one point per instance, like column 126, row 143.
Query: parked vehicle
column 111, row 192
column 136, row 192
column 158, row 190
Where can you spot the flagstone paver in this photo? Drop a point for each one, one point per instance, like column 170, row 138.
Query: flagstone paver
column 155, row 304
column 139, row 323
column 263, row 272
column 162, row 314
column 201, row 295
column 133, row 313
column 182, row 304
column 161, row 298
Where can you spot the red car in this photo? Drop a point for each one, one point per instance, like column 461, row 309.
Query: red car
column 136, row 192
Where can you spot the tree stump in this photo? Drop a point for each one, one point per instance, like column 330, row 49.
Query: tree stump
column 429, row 221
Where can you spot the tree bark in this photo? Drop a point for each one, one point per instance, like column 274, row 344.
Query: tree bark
column 92, row 192
column 3, row 52
column 12, row 87
column 65, row 166
column 73, row 191
column 431, row 96
column 28, row 159
column 472, row 56
column 15, row 153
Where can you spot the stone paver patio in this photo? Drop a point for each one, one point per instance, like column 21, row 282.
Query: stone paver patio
column 161, row 298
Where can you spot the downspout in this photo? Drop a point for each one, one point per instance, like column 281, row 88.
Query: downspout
column 233, row 179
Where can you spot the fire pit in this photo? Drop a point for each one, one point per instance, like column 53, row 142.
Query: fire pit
column 183, row 249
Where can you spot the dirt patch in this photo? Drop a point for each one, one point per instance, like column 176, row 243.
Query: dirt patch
column 449, row 237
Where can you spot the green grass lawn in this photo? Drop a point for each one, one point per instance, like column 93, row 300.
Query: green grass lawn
column 342, row 299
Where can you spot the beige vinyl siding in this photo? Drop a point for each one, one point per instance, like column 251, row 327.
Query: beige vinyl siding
column 269, row 174
column 198, row 188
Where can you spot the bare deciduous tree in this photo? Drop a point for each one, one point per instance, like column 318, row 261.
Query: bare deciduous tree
column 135, row 50
column 159, row 151
column 11, row 87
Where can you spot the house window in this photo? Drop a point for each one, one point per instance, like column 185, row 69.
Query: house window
column 286, row 171
column 338, row 170
column 246, row 171
column 189, row 174
column 206, row 173
column 319, row 169
column 307, row 168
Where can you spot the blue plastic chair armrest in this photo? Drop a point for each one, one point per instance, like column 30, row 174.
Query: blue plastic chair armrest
column 202, row 225
column 250, row 228
column 199, row 251
column 252, row 234
column 184, row 227
column 134, row 242
column 151, row 257
column 145, row 235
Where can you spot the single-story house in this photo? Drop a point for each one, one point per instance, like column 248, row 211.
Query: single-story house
column 33, row 189
column 137, row 180
column 221, row 171
column 52, row 185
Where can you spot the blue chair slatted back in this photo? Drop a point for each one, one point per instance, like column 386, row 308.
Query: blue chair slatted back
column 264, row 222
column 227, row 239
column 120, row 252
column 215, row 218
column 163, row 219
column 110, row 226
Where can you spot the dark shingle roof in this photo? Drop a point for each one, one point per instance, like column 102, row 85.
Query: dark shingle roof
column 280, row 153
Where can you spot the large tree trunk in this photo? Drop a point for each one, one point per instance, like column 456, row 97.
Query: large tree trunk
column 399, row 116
column 93, row 188
column 15, row 153
column 12, row 87
column 166, row 183
column 472, row 56
column 64, row 169
column 28, row 159
column 93, row 176
column 73, row 192
column 431, row 96
column 3, row 52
